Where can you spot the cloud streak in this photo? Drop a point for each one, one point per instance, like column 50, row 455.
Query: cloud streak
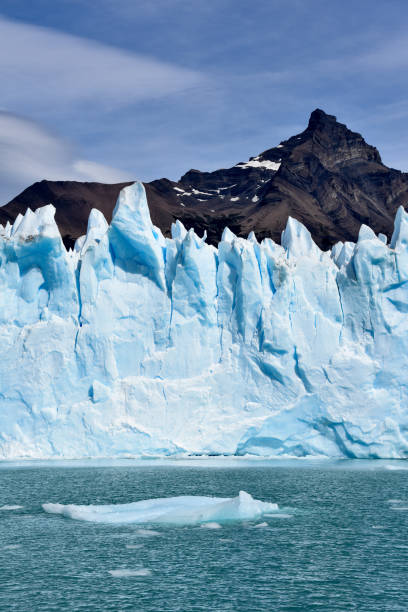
column 48, row 67
column 29, row 153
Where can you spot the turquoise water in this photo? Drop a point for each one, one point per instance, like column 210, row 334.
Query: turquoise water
column 340, row 544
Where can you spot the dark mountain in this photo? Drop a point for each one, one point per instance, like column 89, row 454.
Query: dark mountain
column 327, row 177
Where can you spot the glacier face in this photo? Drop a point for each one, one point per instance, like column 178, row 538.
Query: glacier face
column 138, row 344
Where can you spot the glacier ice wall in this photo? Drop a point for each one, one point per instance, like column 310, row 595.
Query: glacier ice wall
column 138, row 344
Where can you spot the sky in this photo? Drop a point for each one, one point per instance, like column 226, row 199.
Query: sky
column 115, row 90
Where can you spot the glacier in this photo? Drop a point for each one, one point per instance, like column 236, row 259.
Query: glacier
column 135, row 344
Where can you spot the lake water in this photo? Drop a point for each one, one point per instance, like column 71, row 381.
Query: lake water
column 339, row 541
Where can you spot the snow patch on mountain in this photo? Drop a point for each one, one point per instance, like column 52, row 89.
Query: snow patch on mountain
column 256, row 162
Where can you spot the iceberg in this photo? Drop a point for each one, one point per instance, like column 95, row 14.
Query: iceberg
column 136, row 344
column 183, row 510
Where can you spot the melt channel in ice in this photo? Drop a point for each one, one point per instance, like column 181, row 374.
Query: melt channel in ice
column 183, row 510
column 137, row 344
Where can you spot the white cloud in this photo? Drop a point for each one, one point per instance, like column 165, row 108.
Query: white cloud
column 44, row 67
column 29, row 153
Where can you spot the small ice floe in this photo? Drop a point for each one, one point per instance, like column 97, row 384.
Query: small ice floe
column 211, row 525
column 261, row 525
column 126, row 573
column 134, row 546
column 11, row 507
column 279, row 515
column 397, row 468
column 184, row 510
column 147, row 533
column 394, row 501
column 11, row 546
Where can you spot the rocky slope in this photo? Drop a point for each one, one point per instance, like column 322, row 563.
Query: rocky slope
column 327, row 177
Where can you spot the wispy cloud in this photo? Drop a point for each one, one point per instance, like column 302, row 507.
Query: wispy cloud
column 51, row 68
column 389, row 55
column 375, row 58
column 29, row 153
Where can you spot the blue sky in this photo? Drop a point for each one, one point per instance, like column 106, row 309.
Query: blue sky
column 120, row 89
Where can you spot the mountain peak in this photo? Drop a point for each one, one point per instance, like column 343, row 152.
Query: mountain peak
column 327, row 177
column 335, row 144
column 319, row 118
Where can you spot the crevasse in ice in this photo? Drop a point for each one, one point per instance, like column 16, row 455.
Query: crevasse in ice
column 133, row 343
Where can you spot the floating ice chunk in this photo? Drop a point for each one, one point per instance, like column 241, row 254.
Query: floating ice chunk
column 147, row 533
column 261, row 525
column 397, row 468
column 184, row 510
column 212, row 525
column 134, row 546
column 11, row 507
column 278, row 515
column 126, row 573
